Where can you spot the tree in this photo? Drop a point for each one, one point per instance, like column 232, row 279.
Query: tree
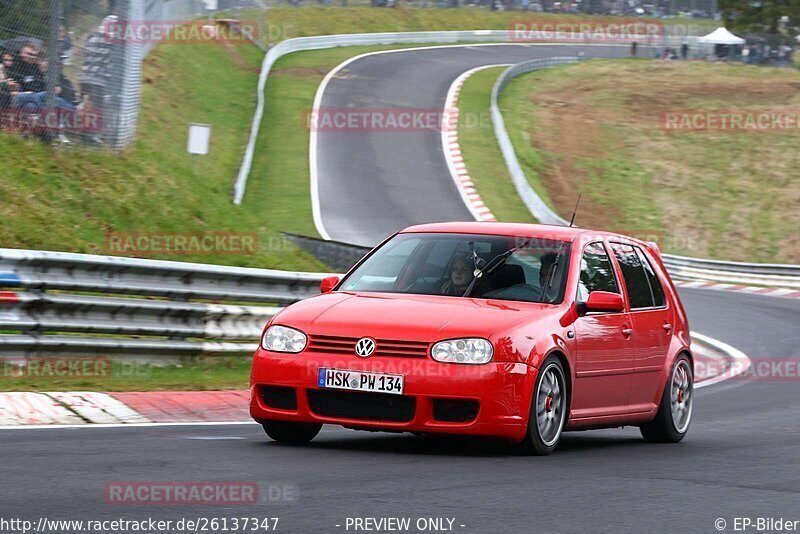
column 759, row 15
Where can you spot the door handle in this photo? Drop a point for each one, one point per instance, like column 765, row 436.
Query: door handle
column 627, row 332
column 667, row 327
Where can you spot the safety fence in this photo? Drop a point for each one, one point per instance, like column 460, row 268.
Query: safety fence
column 72, row 69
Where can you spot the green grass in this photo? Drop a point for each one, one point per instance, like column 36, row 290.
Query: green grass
column 210, row 373
column 481, row 152
column 596, row 128
column 287, row 22
column 69, row 199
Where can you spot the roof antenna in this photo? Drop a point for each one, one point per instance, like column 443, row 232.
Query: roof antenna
column 575, row 212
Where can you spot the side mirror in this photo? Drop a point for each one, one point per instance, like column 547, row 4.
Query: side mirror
column 604, row 301
column 328, row 283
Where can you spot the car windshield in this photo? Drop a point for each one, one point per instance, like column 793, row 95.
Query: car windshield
column 472, row 265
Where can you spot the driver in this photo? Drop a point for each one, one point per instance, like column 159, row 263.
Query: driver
column 459, row 278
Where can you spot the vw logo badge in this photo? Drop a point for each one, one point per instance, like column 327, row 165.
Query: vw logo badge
column 365, row 347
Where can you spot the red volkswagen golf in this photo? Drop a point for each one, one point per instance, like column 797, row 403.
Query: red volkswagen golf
column 517, row 331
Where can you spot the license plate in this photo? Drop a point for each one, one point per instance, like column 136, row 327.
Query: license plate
column 360, row 381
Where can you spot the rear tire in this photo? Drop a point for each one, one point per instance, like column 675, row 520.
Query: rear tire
column 291, row 432
column 675, row 410
column 548, row 413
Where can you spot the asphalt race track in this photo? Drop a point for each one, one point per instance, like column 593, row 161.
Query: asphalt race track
column 373, row 183
column 741, row 458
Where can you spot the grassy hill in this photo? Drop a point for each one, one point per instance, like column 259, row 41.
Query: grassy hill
column 68, row 199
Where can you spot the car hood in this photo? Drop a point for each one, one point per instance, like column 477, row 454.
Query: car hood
column 417, row 317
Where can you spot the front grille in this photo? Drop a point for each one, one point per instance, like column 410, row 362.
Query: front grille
column 281, row 397
column 383, row 347
column 363, row 406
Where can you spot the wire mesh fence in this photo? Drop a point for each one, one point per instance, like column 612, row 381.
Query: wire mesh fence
column 58, row 75
column 71, row 69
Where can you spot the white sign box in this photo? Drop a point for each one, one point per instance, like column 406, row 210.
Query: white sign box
column 199, row 139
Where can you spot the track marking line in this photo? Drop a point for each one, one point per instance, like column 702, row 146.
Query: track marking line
column 740, row 362
column 738, row 288
column 124, row 425
column 451, row 148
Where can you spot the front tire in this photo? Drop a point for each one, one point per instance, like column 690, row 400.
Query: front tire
column 675, row 410
column 548, row 410
column 291, row 432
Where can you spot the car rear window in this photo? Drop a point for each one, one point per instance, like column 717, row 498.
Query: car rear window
column 637, row 273
column 655, row 283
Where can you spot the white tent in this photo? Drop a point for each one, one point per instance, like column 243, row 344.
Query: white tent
column 721, row 36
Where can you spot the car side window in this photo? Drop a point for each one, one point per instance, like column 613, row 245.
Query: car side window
column 634, row 275
column 597, row 274
column 655, row 283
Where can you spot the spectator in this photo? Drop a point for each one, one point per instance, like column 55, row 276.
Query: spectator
column 96, row 71
column 8, row 87
column 64, row 44
column 685, row 50
column 3, row 66
column 31, row 104
column 64, row 88
column 25, row 70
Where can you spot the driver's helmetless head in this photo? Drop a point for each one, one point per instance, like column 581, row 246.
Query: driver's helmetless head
column 460, row 272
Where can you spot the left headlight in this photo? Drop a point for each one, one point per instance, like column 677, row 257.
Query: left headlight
column 283, row 339
column 470, row 350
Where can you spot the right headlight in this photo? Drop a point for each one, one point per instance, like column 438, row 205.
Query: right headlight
column 283, row 339
column 468, row 350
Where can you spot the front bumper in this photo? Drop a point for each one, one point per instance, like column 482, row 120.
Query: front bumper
column 502, row 391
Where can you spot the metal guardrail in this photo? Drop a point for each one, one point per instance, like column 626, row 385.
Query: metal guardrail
column 540, row 210
column 731, row 272
column 137, row 306
column 680, row 267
